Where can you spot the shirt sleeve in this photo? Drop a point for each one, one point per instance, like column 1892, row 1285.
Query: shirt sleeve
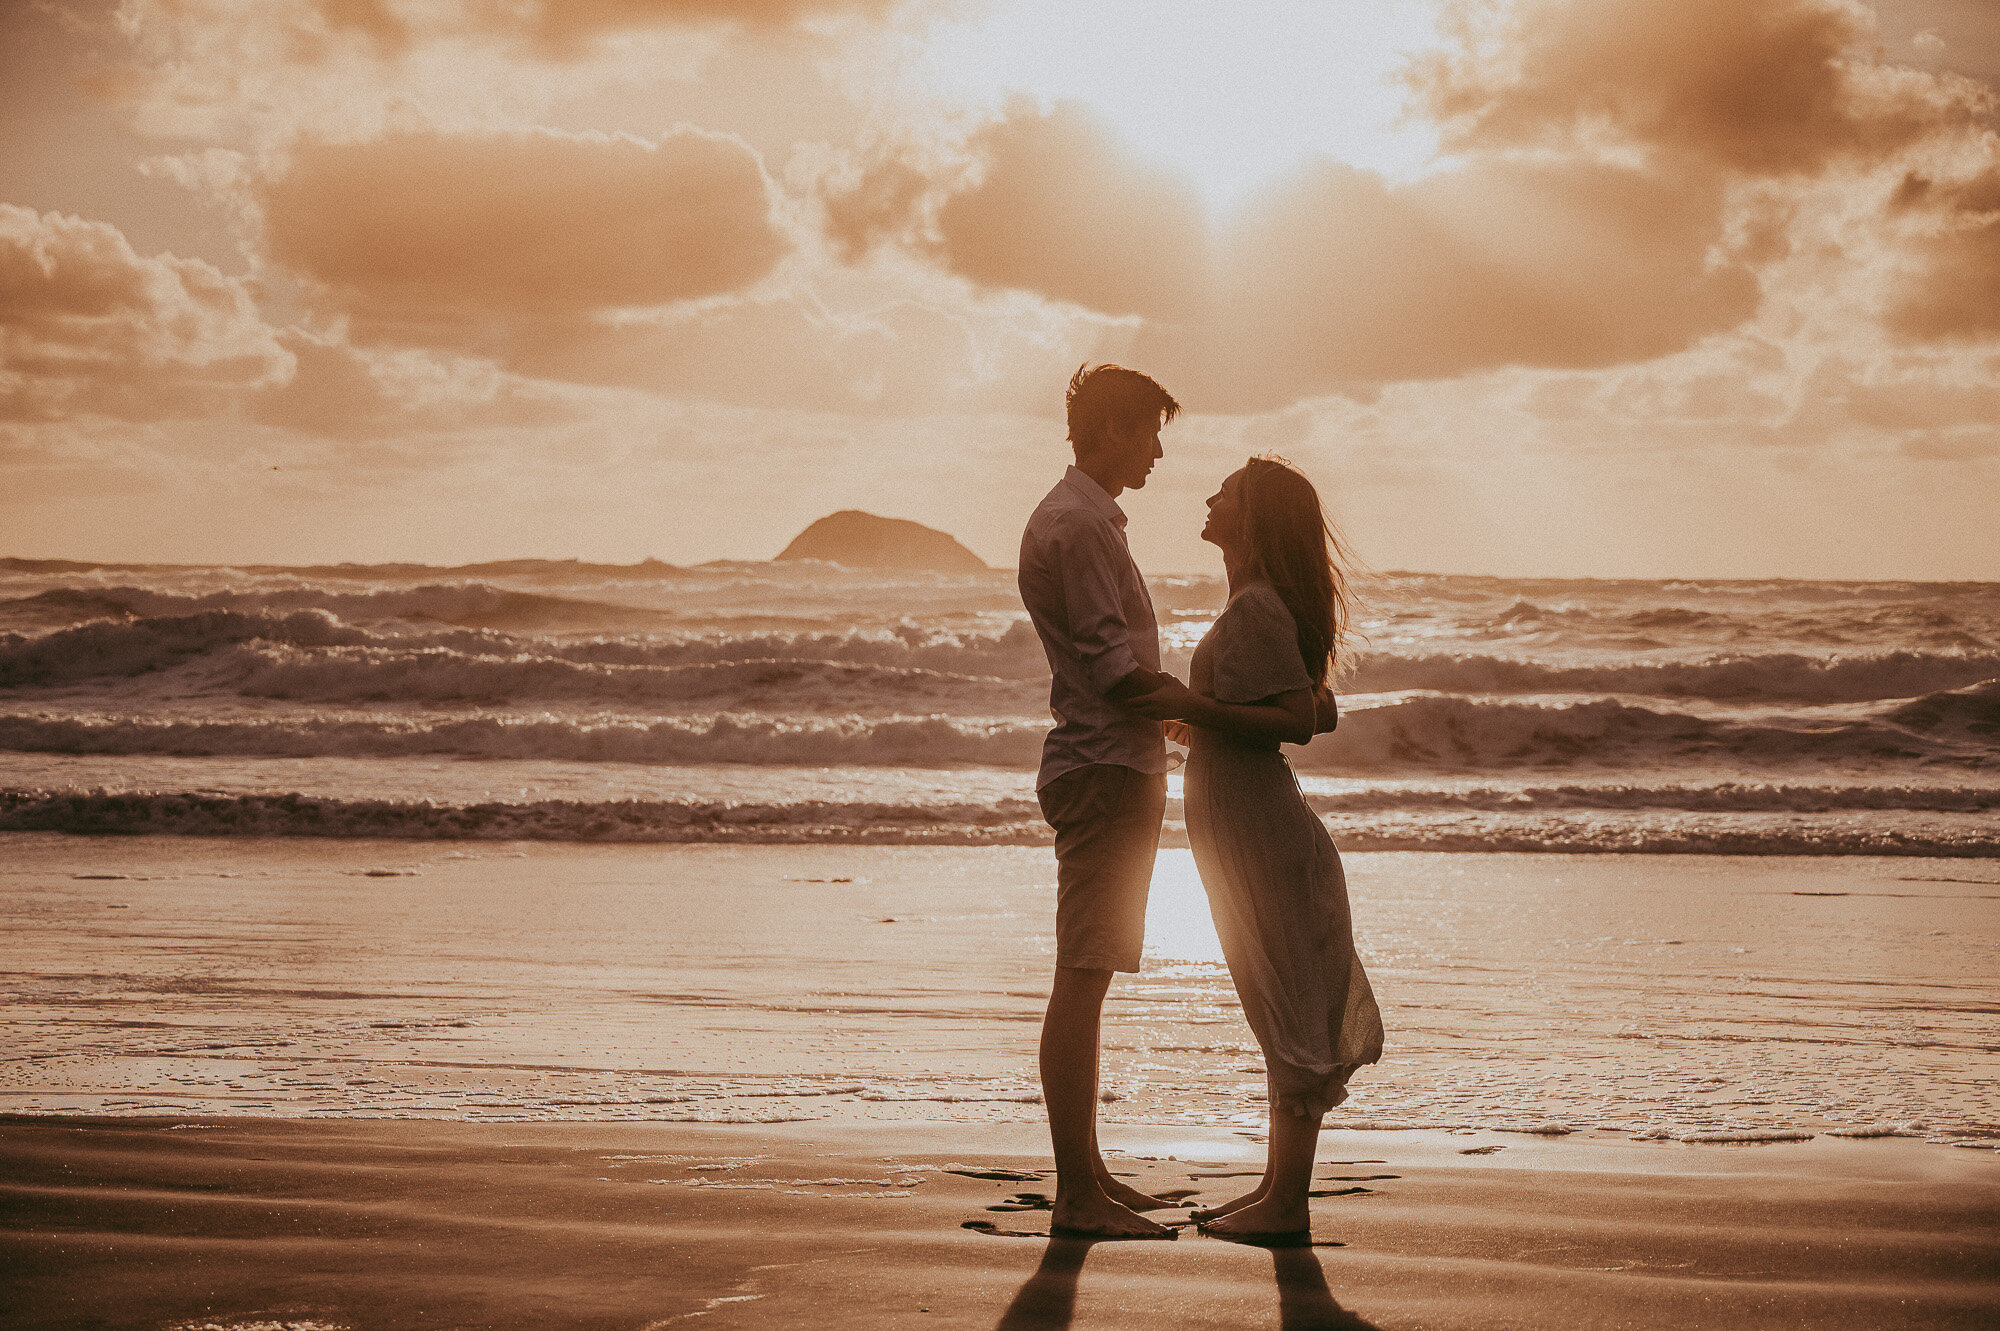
column 1257, row 649
column 1095, row 568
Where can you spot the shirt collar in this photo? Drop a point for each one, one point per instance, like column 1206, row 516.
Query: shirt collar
column 1079, row 480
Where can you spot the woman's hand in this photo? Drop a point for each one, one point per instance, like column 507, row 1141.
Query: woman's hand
column 1179, row 732
column 1171, row 701
column 1326, row 710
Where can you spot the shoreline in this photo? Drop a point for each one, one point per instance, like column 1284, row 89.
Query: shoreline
column 201, row 815
column 338, row 1223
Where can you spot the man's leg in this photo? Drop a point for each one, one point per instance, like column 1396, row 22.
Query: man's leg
column 1069, row 1090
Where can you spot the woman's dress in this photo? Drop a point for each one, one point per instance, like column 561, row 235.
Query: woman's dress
column 1273, row 877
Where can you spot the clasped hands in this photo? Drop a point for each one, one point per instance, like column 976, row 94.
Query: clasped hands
column 1174, row 703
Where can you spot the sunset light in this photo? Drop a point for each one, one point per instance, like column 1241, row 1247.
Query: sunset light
column 1023, row 665
column 1234, row 95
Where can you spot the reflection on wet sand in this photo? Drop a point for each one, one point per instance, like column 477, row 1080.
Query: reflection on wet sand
column 1046, row 1300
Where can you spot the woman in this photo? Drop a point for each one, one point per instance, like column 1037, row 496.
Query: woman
column 1272, row 874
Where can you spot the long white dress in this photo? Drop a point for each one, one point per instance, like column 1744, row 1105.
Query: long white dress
column 1273, row 877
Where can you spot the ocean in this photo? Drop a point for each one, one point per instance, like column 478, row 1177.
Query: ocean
column 388, row 845
column 802, row 702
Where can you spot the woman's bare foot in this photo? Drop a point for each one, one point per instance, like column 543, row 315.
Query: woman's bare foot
column 1098, row 1216
column 1130, row 1197
column 1251, row 1198
column 1265, row 1216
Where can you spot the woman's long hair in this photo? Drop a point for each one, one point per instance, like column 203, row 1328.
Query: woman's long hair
column 1292, row 546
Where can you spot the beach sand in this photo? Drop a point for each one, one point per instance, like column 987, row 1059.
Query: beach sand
column 243, row 1224
column 342, row 1085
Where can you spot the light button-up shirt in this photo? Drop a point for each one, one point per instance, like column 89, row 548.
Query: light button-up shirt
column 1095, row 618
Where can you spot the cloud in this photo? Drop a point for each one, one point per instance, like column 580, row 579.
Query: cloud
column 562, row 28
column 426, row 236
column 1953, row 290
column 89, row 326
column 1627, row 179
column 1063, row 208
column 314, row 31
column 346, row 392
column 1334, row 277
column 1756, row 86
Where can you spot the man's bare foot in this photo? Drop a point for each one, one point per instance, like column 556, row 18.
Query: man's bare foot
column 1251, row 1198
column 1098, row 1216
column 1130, row 1197
column 1267, row 1216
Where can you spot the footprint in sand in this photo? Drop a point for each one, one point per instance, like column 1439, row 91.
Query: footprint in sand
column 988, row 1227
column 1480, row 1150
column 1341, row 1192
column 1025, row 1201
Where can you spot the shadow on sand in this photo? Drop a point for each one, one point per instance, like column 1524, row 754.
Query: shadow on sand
column 1046, row 1301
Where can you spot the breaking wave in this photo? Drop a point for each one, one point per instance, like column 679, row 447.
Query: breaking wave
column 1721, row 797
column 1443, row 732
column 847, row 742
column 129, row 649
column 465, row 604
column 1421, row 733
column 312, row 654
column 1785, row 676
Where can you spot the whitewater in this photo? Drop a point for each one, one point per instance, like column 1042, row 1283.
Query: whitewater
column 804, row 702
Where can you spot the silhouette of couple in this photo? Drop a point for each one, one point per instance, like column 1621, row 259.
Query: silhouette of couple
column 1258, row 679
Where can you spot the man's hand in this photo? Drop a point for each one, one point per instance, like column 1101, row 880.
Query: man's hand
column 1326, row 711
column 1171, row 701
column 1179, row 732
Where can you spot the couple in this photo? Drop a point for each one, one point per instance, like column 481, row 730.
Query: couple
column 1271, row 872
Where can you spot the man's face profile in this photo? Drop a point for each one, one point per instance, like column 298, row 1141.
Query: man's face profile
column 1130, row 449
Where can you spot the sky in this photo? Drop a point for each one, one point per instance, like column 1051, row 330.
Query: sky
column 1596, row 288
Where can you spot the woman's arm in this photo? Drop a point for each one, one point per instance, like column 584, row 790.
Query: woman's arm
column 1287, row 717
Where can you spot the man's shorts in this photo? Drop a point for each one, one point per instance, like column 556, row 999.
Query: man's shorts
column 1107, row 822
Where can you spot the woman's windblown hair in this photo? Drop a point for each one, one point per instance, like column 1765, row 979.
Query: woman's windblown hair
column 1294, row 548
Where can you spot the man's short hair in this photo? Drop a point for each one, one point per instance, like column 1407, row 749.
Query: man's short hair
column 1101, row 394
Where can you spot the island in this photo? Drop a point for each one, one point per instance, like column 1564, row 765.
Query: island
column 855, row 539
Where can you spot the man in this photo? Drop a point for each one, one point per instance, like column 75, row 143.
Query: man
column 1102, row 785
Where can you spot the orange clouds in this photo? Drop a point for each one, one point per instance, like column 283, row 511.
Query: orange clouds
column 562, row 27
column 1064, row 209
column 1759, row 86
column 434, row 235
column 551, row 29
column 1955, row 293
column 88, row 326
column 1335, row 276
column 339, row 391
column 1628, row 173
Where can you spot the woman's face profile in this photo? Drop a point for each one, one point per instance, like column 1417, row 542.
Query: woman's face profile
column 1225, row 513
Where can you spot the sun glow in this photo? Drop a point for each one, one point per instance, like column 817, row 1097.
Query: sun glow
column 1232, row 94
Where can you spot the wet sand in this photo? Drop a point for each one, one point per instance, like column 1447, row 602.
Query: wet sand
column 1629, row 994
column 235, row 1223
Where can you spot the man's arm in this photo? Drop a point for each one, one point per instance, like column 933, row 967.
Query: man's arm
column 1140, row 681
column 1092, row 562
